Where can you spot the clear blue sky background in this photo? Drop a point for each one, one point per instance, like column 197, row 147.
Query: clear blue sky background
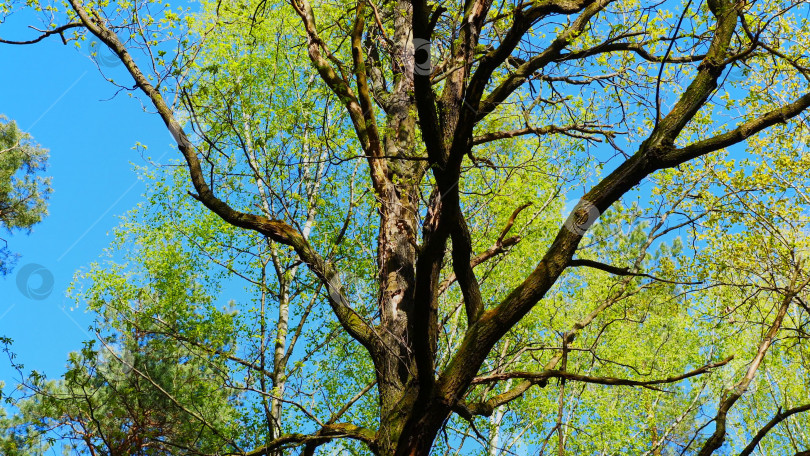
column 56, row 93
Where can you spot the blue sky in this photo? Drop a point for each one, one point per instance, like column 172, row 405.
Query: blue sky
column 56, row 93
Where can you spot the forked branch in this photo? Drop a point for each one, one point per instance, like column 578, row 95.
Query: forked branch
column 486, row 408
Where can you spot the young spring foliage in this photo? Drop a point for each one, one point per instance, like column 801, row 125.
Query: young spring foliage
column 562, row 226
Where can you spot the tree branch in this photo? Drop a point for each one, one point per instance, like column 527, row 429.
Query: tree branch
column 500, row 246
column 730, row 397
column 335, row 416
column 555, row 373
column 615, row 270
column 518, row 77
column 46, row 33
column 325, row 434
column 780, row 416
column 637, row 48
column 480, row 338
column 566, row 130
column 360, row 110
column 743, row 131
column 486, row 408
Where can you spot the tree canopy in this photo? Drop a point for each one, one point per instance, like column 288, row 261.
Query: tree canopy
column 23, row 189
column 563, row 226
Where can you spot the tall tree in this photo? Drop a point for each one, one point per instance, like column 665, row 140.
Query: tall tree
column 461, row 115
column 23, row 190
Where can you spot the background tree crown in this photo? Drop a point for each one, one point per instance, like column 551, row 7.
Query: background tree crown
column 23, row 189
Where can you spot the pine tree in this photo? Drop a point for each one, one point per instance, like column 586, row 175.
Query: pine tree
column 23, row 190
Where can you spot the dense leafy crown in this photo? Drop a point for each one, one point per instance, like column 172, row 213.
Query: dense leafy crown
column 571, row 226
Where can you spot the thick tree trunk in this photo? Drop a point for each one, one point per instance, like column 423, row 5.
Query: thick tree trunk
column 422, row 429
column 396, row 260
